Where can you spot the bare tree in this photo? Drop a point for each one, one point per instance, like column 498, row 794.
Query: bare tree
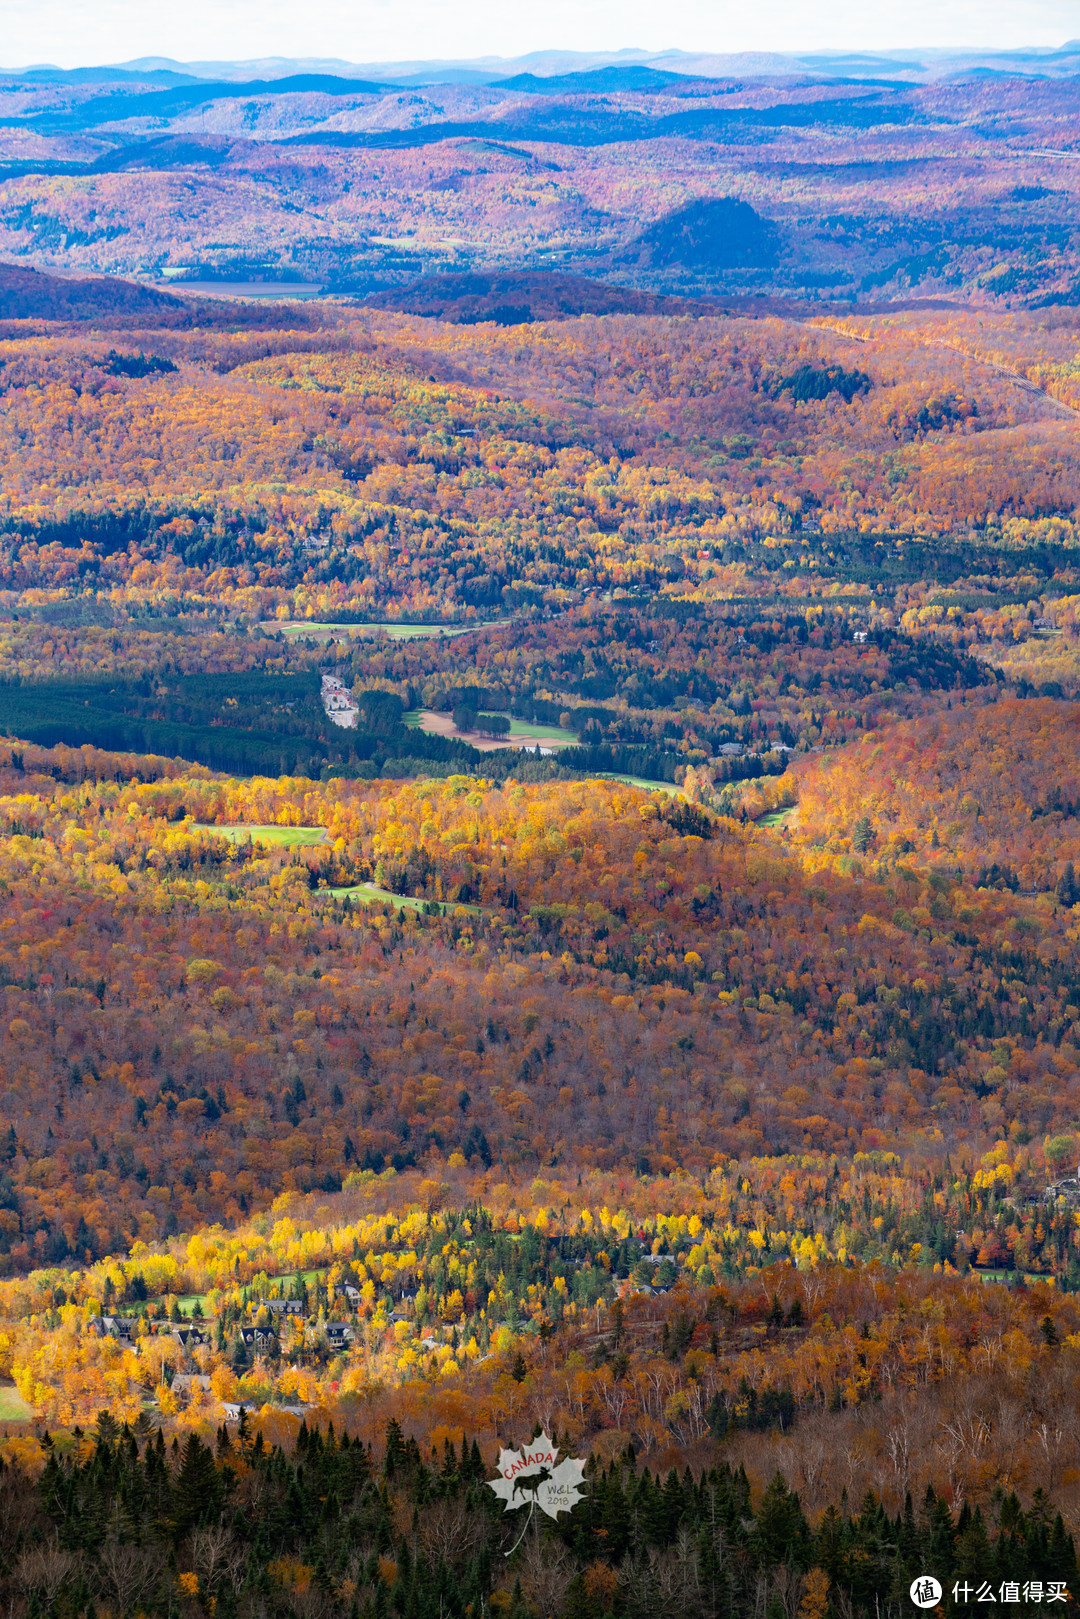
column 899, row 1448
column 45, row 1569
column 217, row 1556
column 843, row 1604
column 639, row 1586
column 813, row 1286
column 546, row 1572
column 679, row 1577
column 1050, row 1438
column 787, row 1589
column 128, row 1574
column 450, row 1531
column 615, row 1396
column 667, row 1582
column 314, row 1603
column 813, row 1463
column 18, row 1507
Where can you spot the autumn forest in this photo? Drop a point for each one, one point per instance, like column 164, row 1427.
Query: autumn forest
column 539, row 849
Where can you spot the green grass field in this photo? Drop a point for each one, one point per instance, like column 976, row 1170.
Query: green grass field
column 13, row 1408
column 640, row 781
column 541, row 733
column 368, row 894
column 286, row 836
column 1028, row 1277
column 520, row 730
column 778, row 817
column 188, row 1301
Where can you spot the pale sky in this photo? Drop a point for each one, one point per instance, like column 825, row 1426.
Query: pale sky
column 73, row 33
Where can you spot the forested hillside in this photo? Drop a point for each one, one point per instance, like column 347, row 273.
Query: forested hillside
column 651, row 1020
column 394, row 466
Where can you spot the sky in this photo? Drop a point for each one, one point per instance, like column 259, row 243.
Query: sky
column 74, row 33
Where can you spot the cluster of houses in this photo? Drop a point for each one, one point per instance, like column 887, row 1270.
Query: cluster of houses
column 630, row 1287
column 1068, row 1189
column 338, row 702
column 339, row 1334
column 125, row 1329
column 736, row 750
column 189, row 1334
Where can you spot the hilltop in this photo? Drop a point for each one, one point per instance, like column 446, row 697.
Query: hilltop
column 28, row 294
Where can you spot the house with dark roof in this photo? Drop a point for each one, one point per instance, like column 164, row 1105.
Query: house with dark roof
column 257, row 1337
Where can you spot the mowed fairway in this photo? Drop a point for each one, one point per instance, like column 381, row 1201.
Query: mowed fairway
column 285, row 836
column 522, row 734
column 642, row 781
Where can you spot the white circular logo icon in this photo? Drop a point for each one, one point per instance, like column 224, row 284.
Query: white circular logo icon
column 925, row 1591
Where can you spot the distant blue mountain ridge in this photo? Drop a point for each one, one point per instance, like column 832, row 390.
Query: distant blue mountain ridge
column 551, row 72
